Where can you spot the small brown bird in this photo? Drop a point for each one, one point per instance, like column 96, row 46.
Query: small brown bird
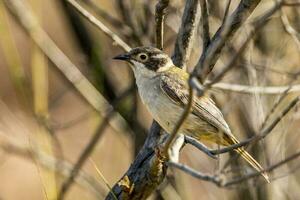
column 163, row 88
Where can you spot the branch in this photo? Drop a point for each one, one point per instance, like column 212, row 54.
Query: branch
column 231, row 63
column 221, row 183
column 186, row 33
column 210, row 55
column 276, row 104
column 227, row 30
column 160, row 11
column 258, row 23
column 205, row 25
column 289, row 29
column 200, row 146
column 109, row 18
column 226, row 11
column 201, row 89
column 270, row 90
column 146, row 172
column 99, row 25
column 196, row 174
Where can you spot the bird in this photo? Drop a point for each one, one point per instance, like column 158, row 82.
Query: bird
column 164, row 90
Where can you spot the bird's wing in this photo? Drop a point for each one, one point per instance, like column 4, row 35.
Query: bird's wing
column 176, row 88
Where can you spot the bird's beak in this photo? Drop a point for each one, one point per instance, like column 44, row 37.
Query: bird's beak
column 125, row 57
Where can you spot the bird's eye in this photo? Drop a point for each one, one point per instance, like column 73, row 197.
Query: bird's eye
column 143, row 56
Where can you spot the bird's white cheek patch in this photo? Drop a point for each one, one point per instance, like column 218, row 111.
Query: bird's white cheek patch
column 167, row 66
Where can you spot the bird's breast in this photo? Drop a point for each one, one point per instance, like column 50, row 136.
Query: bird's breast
column 162, row 109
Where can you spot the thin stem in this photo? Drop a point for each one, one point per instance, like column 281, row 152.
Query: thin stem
column 195, row 173
column 205, row 24
column 181, row 120
column 99, row 25
column 160, row 12
column 200, row 146
column 247, row 89
column 186, row 34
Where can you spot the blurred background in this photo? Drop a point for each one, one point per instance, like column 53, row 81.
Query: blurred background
column 46, row 122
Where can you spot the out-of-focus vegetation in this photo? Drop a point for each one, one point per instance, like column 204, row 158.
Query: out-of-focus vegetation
column 45, row 123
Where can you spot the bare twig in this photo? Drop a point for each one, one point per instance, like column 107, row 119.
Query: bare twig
column 258, row 23
column 261, row 67
column 200, row 146
column 146, row 172
column 230, row 64
column 276, row 104
column 99, row 25
column 205, row 25
column 226, row 31
column 70, row 123
column 201, row 89
column 221, row 183
column 289, row 29
column 186, row 33
column 130, row 20
column 195, row 173
column 226, row 11
column 109, row 18
column 270, row 90
column 160, row 12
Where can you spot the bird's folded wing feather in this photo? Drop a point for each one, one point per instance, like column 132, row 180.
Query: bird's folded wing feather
column 176, row 88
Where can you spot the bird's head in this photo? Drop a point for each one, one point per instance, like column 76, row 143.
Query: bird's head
column 147, row 61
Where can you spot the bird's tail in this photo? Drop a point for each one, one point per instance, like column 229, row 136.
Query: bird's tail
column 252, row 162
column 232, row 140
